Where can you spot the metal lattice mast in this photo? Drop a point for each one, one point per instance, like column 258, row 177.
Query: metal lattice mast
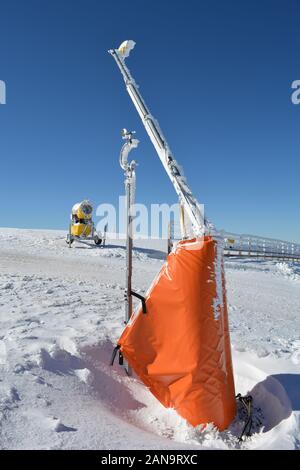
column 192, row 207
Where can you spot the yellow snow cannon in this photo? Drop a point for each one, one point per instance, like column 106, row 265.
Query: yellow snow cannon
column 82, row 226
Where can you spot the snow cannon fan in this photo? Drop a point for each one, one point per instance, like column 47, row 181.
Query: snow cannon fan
column 178, row 343
column 82, row 226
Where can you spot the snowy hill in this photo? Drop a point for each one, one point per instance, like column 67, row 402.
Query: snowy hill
column 61, row 312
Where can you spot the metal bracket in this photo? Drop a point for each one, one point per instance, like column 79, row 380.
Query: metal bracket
column 142, row 299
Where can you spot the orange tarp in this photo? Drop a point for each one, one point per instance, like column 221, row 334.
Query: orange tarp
column 181, row 347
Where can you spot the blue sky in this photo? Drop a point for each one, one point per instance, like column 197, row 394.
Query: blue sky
column 217, row 75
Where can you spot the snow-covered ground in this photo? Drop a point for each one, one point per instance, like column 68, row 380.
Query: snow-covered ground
column 61, row 312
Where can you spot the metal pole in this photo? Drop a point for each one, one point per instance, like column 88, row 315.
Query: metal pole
column 129, row 171
column 170, row 236
column 128, row 289
column 128, row 308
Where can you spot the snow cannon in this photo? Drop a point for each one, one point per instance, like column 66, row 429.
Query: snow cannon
column 178, row 343
column 81, row 217
column 82, row 226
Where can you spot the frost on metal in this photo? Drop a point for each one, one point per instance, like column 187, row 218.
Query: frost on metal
column 125, row 48
column 218, row 302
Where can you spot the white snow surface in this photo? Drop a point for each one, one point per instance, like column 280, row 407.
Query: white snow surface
column 61, row 313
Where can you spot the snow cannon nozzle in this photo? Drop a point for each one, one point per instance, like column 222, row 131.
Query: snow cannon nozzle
column 124, row 49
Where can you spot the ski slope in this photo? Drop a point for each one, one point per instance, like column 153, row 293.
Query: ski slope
column 61, row 312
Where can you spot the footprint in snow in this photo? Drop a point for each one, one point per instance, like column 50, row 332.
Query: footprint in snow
column 8, row 285
column 57, row 426
column 19, row 369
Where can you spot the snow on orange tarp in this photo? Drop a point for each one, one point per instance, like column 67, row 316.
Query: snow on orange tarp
column 181, row 347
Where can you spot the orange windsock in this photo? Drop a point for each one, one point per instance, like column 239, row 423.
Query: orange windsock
column 181, row 347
